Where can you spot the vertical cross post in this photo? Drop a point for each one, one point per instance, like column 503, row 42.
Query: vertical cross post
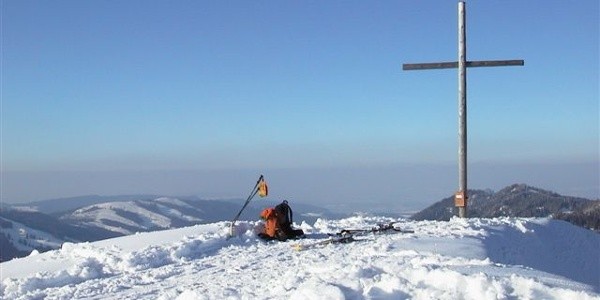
column 462, row 110
column 460, row 198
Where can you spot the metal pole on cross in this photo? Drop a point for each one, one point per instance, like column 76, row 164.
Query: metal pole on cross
column 460, row 197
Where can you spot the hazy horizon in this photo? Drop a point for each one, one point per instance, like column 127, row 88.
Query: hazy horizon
column 403, row 187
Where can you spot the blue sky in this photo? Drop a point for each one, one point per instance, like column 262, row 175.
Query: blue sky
column 116, row 87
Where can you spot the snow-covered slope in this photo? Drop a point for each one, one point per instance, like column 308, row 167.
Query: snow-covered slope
column 26, row 239
column 503, row 258
column 128, row 217
column 23, row 230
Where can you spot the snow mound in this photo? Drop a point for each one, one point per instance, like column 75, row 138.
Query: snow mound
column 469, row 259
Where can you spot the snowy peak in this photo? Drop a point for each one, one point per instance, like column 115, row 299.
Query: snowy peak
column 140, row 215
column 61, row 205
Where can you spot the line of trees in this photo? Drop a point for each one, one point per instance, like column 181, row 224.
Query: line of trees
column 590, row 220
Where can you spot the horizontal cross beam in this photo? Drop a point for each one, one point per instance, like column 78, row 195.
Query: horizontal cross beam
column 470, row 64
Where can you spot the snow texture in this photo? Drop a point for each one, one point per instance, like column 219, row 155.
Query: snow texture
column 504, row 258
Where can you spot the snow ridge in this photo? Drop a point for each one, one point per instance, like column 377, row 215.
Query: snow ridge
column 470, row 259
column 132, row 216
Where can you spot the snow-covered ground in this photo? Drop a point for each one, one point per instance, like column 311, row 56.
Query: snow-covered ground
column 505, row 258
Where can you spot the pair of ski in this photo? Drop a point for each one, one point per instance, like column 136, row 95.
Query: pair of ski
column 347, row 236
column 379, row 228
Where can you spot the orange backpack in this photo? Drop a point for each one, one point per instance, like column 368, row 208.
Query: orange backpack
column 270, row 216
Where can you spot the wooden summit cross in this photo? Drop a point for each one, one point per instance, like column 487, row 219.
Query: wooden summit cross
column 460, row 198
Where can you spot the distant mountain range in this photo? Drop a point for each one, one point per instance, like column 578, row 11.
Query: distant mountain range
column 519, row 200
column 61, row 205
column 45, row 225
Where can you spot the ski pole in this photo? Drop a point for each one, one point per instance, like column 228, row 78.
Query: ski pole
column 252, row 194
